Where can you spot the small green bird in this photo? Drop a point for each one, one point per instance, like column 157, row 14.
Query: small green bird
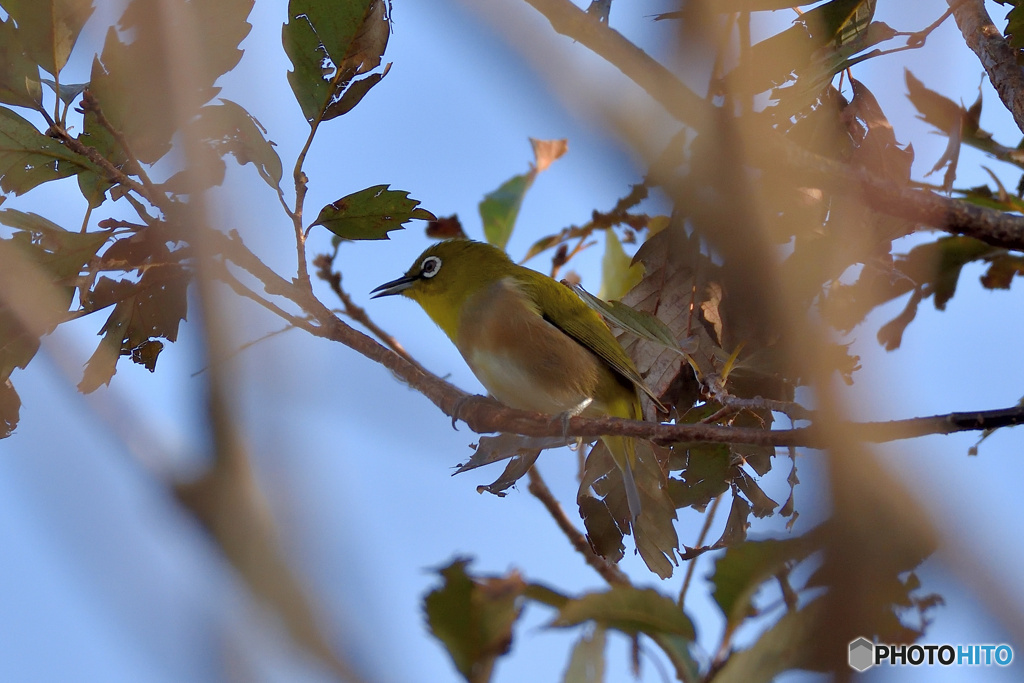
column 530, row 340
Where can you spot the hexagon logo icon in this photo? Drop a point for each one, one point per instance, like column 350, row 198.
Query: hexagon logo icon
column 862, row 654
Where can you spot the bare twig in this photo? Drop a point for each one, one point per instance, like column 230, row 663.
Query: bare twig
column 324, row 264
column 92, row 154
column 708, row 519
column 609, row 572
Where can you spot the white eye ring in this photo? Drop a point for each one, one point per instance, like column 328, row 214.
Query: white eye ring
column 430, row 266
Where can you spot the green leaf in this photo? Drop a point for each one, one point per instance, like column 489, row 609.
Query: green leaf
column 586, row 664
column 1015, row 27
column 627, row 609
column 371, row 214
column 41, row 253
column 741, row 570
column 500, row 208
column 677, row 648
column 28, row 158
column 19, row 75
column 131, row 82
column 227, row 128
column 618, row 272
column 64, row 253
column 328, row 43
column 473, row 618
column 49, row 28
column 787, row 645
column 707, row 474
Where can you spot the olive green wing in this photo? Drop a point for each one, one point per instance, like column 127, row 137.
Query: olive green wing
column 562, row 308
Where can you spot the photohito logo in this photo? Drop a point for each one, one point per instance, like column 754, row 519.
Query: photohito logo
column 864, row 654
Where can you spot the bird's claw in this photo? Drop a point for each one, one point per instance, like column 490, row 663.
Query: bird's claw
column 458, row 409
column 571, row 413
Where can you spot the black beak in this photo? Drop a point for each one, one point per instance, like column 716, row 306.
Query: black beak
column 395, row 286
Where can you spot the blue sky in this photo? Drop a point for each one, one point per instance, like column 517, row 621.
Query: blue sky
column 105, row 579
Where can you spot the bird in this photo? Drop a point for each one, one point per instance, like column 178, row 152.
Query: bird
column 530, row 340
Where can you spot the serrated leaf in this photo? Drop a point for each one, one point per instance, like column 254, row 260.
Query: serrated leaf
column 601, row 497
column 618, row 272
column 540, row 245
column 1015, row 27
column 63, row 253
column 49, row 28
column 371, row 214
column 328, row 44
column 473, row 618
column 19, row 75
column 493, row 449
column 130, row 81
column 627, row 609
column 144, row 310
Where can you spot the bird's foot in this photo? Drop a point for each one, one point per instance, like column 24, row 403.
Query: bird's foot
column 571, row 413
column 458, row 409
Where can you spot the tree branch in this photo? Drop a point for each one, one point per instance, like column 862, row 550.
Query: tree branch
column 994, row 52
column 989, row 225
column 486, row 416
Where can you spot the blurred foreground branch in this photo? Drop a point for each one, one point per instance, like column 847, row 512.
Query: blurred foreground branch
column 958, row 217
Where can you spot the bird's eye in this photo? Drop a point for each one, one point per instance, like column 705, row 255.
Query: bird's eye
column 430, row 266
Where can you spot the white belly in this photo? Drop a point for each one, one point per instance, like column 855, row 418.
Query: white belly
column 514, row 386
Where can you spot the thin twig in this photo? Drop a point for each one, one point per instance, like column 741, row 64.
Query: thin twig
column 114, row 174
column 301, row 187
column 609, row 572
column 708, row 519
column 324, row 264
column 247, row 345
